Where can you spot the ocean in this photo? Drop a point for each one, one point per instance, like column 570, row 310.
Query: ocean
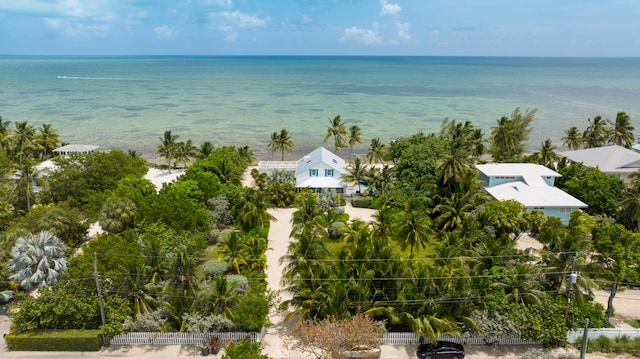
column 128, row 102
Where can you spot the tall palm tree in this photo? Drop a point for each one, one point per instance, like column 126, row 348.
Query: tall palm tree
column 631, row 202
column 504, row 140
column 185, row 150
column 546, row 155
column 596, row 133
column 376, row 151
column 572, row 138
column 274, row 144
column 338, row 130
column 26, row 175
column 37, row 260
column 621, row 131
column 24, row 140
column 454, row 168
column 4, row 133
column 356, row 172
column 282, row 142
column 355, row 137
column 48, row 139
column 167, row 147
column 413, row 227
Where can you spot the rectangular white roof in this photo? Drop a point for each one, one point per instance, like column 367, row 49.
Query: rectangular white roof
column 516, row 169
column 534, row 196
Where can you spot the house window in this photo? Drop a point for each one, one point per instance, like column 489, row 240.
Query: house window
column 565, row 209
column 328, row 172
column 313, row 172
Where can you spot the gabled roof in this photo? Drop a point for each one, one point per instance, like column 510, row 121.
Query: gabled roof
column 531, row 173
column 534, row 196
column 320, row 155
column 609, row 159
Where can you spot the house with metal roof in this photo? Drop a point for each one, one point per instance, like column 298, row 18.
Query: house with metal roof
column 321, row 170
column 530, row 184
column 614, row 160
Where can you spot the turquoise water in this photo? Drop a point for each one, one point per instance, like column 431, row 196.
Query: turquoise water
column 128, row 102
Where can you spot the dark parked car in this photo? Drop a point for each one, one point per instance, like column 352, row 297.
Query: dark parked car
column 440, row 350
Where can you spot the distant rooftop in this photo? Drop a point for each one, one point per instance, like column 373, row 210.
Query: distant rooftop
column 81, row 149
column 537, row 196
column 609, row 159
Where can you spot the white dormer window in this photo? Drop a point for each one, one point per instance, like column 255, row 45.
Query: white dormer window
column 313, row 172
column 328, row 172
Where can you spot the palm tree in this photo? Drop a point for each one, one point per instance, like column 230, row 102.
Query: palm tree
column 167, row 147
column 24, row 139
column 338, row 130
column 37, row 261
column 572, row 138
column 274, row 144
column 631, row 202
column 282, row 141
column 413, row 227
column 48, row 139
column 184, row 151
column 251, row 208
column 376, row 151
column 546, row 155
column 26, row 175
column 232, row 251
column 356, row 172
column 4, row 132
column 596, row 133
column 117, row 214
column 453, row 168
column 504, row 140
column 621, row 130
column 355, row 137
column 205, row 149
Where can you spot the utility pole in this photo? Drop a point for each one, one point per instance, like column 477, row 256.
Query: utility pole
column 103, row 316
column 585, row 338
column 571, row 278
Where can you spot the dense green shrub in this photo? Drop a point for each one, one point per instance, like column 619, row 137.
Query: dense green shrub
column 245, row 349
column 362, row 202
column 239, row 283
column 335, row 229
column 251, row 312
column 619, row 345
column 55, row 340
column 213, row 268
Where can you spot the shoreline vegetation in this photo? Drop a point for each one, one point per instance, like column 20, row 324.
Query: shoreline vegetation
column 438, row 255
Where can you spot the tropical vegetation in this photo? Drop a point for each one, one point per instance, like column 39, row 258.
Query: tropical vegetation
column 439, row 256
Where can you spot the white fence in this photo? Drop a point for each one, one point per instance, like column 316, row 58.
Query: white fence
column 266, row 166
column 572, row 336
column 146, row 338
column 408, row 338
column 398, row 338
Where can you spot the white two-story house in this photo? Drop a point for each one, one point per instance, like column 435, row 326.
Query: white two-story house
column 530, row 184
column 321, row 170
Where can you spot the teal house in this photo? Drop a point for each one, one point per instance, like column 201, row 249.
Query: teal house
column 530, row 184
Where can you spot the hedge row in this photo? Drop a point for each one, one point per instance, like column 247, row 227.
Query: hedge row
column 55, row 340
column 362, row 202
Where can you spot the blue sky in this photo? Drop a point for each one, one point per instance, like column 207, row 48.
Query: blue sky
column 321, row 27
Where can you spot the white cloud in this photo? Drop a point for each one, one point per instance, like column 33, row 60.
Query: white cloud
column 77, row 31
column 221, row 3
column 402, row 31
column 306, row 20
column 363, row 36
column 164, row 32
column 389, row 9
column 244, row 20
column 230, row 21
